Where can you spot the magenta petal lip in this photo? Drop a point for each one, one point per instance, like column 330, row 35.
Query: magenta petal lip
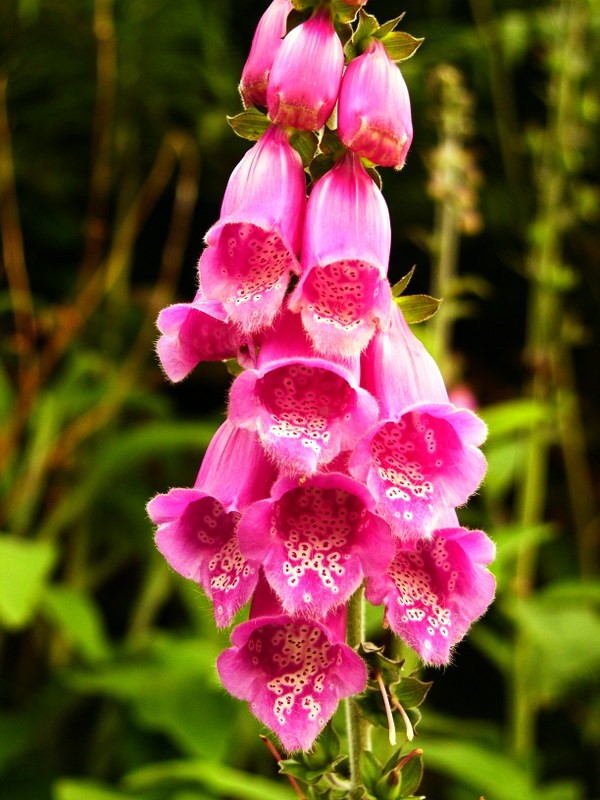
column 316, row 539
column 435, row 589
column 292, row 673
column 420, row 463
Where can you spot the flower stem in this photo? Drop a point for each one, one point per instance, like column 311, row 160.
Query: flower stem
column 357, row 728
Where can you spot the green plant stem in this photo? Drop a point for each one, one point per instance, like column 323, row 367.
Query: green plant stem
column 357, row 729
column 543, row 338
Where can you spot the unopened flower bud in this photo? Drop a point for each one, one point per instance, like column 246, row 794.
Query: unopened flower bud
column 374, row 116
column 306, row 74
column 267, row 40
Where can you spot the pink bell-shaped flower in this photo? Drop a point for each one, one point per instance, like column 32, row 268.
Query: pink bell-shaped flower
column 343, row 294
column 292, row 672
column 304, row 408
column 195, row 332
column 305, row 77
column 436, row 588
column 197, row 528
column 252, row 249
column 423, row 455
column 265, row 43
column 316, row 539
column 374, row 117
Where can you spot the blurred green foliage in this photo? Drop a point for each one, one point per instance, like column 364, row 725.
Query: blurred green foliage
column 114, row 154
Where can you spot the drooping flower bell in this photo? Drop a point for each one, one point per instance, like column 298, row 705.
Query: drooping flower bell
column 306, row 73
column 436, row 588
column 423, row 455
column 195, row 332
column 374, row 116
column 305, row 408
column 197, row 528
column 316, row 538
column 265, row 43
column 343, row 294
column 293, row 672
column 252, row 249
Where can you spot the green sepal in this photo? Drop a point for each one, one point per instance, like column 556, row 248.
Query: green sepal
column 305, row 143
column 374, row 173
column 343, row 11
column 400, row 45
column 319, row 166
column 370, row 769
column 388, row 787
column 233, row 367
column 388, row 26
column 301, row 12
column 411, row 775
column 331, row 143
column 325, row 751
column 249, row 124
column 417, row 307
column 298, row 769
column 344, row 30
column 409, row 691
column 365, row 30
column 399, row 288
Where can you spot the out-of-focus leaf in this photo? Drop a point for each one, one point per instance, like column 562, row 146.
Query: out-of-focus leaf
column 119, row 456
column 24, row 568
column 514, row 416
column 79, row 620
column 173, row 688
column 487, row 772
column 564, row 643
column 503, row 457
column 73, row 789
column 218, row 778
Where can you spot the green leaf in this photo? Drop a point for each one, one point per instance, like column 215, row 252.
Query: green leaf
column 388, row 27
column 79, row 620
column 24, row 568
column 515, row 415
column 486, row 772
column 73, row 789
column 249, row 124
column 400, row 45
column 400, row 287
column 417, row 307
column 370, row 769
column 222, row 780
column 305, row 143
column 410, row 692
column 411, row 774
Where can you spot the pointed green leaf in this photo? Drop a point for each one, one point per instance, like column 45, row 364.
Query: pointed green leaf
column 389, row 26
column 343, row 11
column 410, row 691
column 417, row 307
column 24, row 568
column 249, row 124
column 370, row 769
column 411, row 774
column 399, row 288
column 400, row 45
column 305, row 143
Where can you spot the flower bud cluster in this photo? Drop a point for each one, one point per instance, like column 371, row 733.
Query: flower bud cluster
column 342, row 460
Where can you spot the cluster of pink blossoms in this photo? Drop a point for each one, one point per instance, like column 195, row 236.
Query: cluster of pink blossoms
column 341, row 460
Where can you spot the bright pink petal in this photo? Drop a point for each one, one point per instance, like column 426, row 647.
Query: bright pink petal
column 421, row 463
column 343, row 293
column 198, row 539
column 305, row 409
column 316, row 540
column 306, row 73
column 293, row 674
column 252, row 248
column 374, row 116
column 435, row 589
column 265, row 43
column 197, row 528
column 194, row 332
